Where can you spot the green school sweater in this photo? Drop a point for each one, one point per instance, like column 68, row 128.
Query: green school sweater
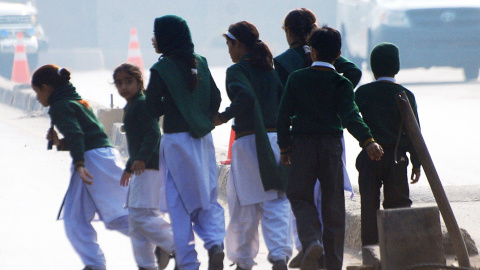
column 376, row 102
column 267, row 88
column 142, row 132
column 77, row 122
column 293, row 59
column 319, row 102
column 204, row 100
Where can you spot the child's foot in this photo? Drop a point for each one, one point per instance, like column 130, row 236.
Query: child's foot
column 163, row 258
column 215, row 258
column 313, row 253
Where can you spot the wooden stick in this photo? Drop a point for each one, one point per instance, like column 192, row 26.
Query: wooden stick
column 413, row 130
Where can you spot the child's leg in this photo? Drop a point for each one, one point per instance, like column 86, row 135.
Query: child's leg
column 300, row 190
column 330, row 175
column 395, row 183
column 276, row 228
column 185, row 254
column 79, row 211
column 150, row 223
column 242, row 240
column 369, row 183
column 147, row 230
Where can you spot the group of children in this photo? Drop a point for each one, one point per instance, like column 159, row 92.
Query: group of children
column 288, row 156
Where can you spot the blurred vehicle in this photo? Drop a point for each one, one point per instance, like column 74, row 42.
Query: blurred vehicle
column 427, row 32
column 16, row 18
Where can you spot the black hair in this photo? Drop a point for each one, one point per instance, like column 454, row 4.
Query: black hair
column 327, row 42
column 247, row 34
column 51, row 75
column 174, row 39
column 300, row 22
column 132, row 70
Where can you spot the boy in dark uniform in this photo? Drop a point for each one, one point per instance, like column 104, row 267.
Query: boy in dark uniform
column 318, row 102
column 376, row 102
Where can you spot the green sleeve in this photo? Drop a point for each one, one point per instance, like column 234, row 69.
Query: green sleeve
column 242, row 98
column 285, row 113
column 349, row 113
column 154, row 95
column 215, row 99
column 281, row 71
column 349, row 70
column 65, row 119
column 150, row 130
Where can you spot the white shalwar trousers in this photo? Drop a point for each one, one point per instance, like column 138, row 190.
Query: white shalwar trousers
column 208, row 224
column 104, row 197
column 148, row 229
column 347, row 186
column 250, row 205
column 189, row 171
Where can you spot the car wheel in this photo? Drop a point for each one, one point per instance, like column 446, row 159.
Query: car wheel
column 471, row 72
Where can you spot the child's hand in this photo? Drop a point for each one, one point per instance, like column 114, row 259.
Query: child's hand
column 285, row 159
column 84, row 174
column 53, row 137
column 125, row 179
column 138, row 167
column 217, row 121
column 374, row 151
column 415, row 176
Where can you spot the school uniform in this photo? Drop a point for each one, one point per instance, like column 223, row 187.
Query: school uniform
column 322, row 102
column 376, row 102
column 148, row 229
column 294, row 59
column 252, row 194
column 187, row 155
column 89, row 146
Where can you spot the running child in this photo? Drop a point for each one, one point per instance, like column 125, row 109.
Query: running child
column 95, row 183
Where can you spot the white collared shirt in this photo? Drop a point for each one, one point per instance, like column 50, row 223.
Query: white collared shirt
column 322, row 64
column 388, row 79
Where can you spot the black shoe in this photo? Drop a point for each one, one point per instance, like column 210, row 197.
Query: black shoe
column 87, row 268
column 280, row 265
column 163, row 258
column 215, row 258
column 297, row 261
column 239, row 268
column 313, row 253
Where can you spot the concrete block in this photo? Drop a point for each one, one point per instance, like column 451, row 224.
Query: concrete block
column 410, row 236
column 108, row 117
column 371, row 257
column 118, row 138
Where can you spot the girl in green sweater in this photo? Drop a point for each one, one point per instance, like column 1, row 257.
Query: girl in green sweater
column 94, row 186
column 146, row 196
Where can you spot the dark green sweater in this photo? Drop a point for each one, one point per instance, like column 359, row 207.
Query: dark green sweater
column 376, row 102
column 159, row 101
column 319, row 102
column 77, row 123
column 143, row 133
column 268, row 90
column 293, row 59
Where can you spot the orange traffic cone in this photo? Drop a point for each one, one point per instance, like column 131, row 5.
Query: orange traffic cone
column 20, row 70
column 229, row 156
column 134, row 55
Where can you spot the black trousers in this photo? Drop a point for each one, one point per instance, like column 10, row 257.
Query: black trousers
column 312, row 159
column 371, row 176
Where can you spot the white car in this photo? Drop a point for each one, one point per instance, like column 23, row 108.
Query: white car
column 427, row 32
column 16, row 18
